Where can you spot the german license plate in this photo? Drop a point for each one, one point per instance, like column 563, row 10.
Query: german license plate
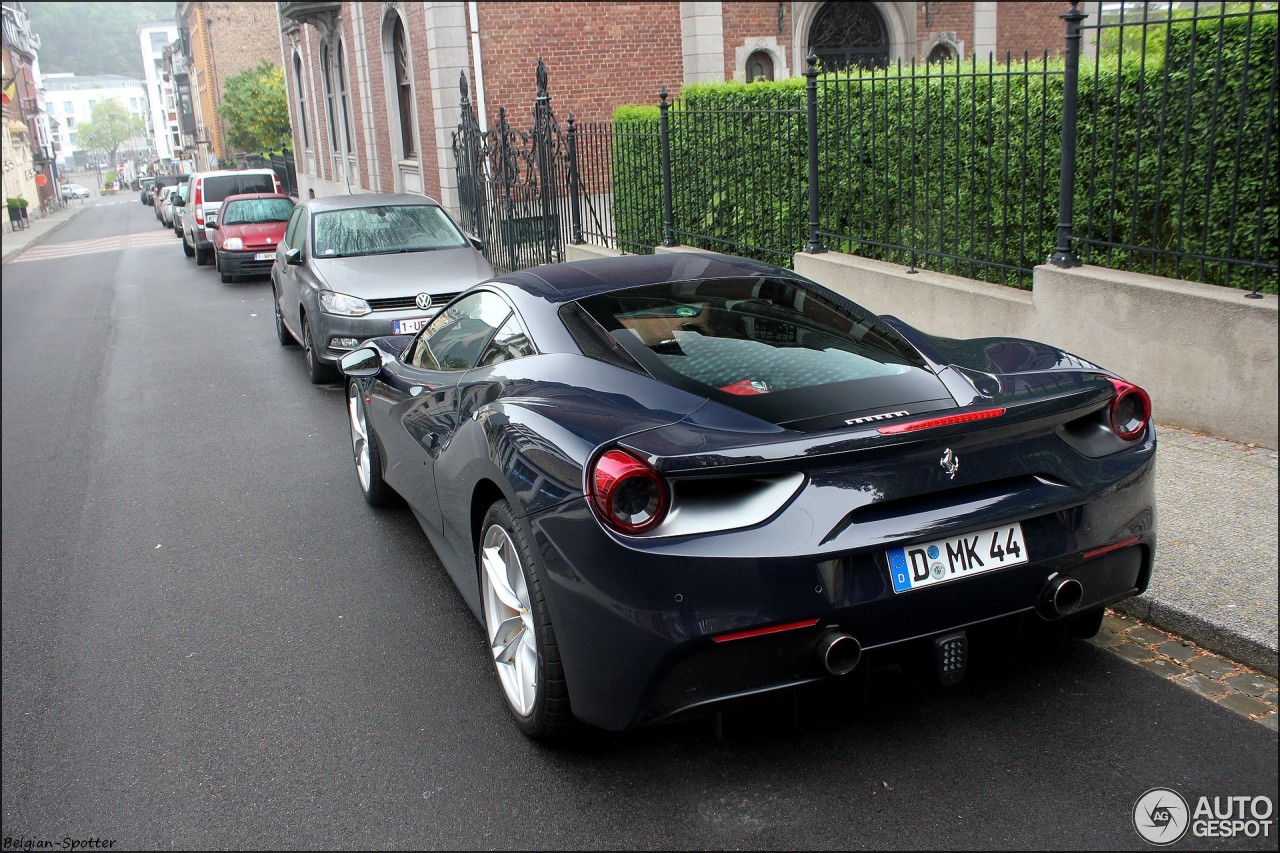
column 957, row 557
column 410, row 327
column 264, row 256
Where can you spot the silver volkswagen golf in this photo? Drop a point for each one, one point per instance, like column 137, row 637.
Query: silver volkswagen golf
column 353, row 267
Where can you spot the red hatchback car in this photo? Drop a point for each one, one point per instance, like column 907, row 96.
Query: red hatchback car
column 248, row 228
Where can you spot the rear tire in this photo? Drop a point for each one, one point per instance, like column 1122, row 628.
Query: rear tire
column 518, row 627
column 186, row 249
column 1087, row 624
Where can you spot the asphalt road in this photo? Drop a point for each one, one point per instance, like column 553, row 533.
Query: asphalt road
column 210, row 641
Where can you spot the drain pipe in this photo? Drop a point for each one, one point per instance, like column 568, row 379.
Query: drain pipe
column 477, row 67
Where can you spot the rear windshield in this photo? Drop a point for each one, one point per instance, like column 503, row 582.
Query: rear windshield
column 766, row 345
column 218, row 187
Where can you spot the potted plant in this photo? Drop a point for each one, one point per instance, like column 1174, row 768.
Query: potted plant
column 17, row 206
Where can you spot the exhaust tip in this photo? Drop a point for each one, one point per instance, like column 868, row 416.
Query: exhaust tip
column 1060, row 597
column 838, row 653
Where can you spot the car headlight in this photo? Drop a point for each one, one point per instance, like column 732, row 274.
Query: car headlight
column 233, row 244
column 340, row 303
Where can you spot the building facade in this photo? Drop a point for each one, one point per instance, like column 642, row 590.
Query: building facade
column 162, row 111
column 375, row 88
column 71, row 99
column 29, row 147
column 219, row 40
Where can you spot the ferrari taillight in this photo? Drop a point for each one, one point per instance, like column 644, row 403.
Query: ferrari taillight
column 627, row 492
column 1130, row 410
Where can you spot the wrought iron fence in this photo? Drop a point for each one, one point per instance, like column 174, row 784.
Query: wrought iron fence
column 1176, row 171
column 520, row 191
column 944, row 165
column 1159, row 159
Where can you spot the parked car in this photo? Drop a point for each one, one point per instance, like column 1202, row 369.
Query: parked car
column 163, row 208
column 205, row 192
column 664, row 481
column 246, row 233
column 352, row 267
column 70, row 191
column 176, row 199
column 147, row 186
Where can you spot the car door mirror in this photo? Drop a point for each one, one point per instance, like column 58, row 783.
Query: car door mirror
column 361, row 362
column 476, row 243
column 178, row 201
column 293, row 256
column 211, row 225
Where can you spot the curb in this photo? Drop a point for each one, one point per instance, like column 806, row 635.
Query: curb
column 1231, row 644
column 37, row 239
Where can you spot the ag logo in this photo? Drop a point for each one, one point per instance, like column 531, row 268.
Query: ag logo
column 1161, row 816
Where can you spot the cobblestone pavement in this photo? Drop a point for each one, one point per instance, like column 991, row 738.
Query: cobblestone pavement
column 1232, row 685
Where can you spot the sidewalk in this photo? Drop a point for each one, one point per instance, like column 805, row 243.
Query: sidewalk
column 16, row 241
column 1215, row 579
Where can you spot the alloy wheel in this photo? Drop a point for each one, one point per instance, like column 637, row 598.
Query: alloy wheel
column 359, row 434
column 509, row 619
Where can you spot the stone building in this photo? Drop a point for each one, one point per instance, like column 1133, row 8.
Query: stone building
column 71, row 98
column 30, row 171
column 374, row 88
column 162, row 117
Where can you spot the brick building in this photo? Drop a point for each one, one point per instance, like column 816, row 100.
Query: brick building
column 219, row 40
column 374, row 88
column 30, row 170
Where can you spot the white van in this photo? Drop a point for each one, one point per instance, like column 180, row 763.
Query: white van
column 205, row 192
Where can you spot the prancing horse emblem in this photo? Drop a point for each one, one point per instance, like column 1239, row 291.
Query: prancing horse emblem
column 950, row 463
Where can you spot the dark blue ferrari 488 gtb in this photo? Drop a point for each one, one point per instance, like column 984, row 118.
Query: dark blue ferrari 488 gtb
column 662, row 482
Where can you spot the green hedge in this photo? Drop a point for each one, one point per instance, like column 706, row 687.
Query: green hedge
column 1197, row 187
column 966, row 164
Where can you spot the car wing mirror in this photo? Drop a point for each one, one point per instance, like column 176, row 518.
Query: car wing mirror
column 293, row 256
column 475, row 242
column 362, row 362
column 178, row 201
column 211, row 225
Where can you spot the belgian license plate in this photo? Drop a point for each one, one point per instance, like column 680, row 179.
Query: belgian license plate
column 264, row 256
column 410, row 327
column 957, row 557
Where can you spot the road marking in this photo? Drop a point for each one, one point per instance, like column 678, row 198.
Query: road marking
column 141, row 240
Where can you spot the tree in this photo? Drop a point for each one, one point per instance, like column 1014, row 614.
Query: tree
column 256, row 110
column 110, row 126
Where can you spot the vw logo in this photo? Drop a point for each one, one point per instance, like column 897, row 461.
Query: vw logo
column 423, row 301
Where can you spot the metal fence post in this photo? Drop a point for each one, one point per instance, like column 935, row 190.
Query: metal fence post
column 811, row 99
column 575, row 202
column 664, row 133
column 1062, row 255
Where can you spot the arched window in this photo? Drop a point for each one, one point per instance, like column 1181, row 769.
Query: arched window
column 942, row 53
column 846, row 35
column 301, row 94
column 404, row 89
column 344, row 98
column 759, row 66
column 330, row 108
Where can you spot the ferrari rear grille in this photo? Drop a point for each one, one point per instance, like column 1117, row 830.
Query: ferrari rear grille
column 400, row 303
